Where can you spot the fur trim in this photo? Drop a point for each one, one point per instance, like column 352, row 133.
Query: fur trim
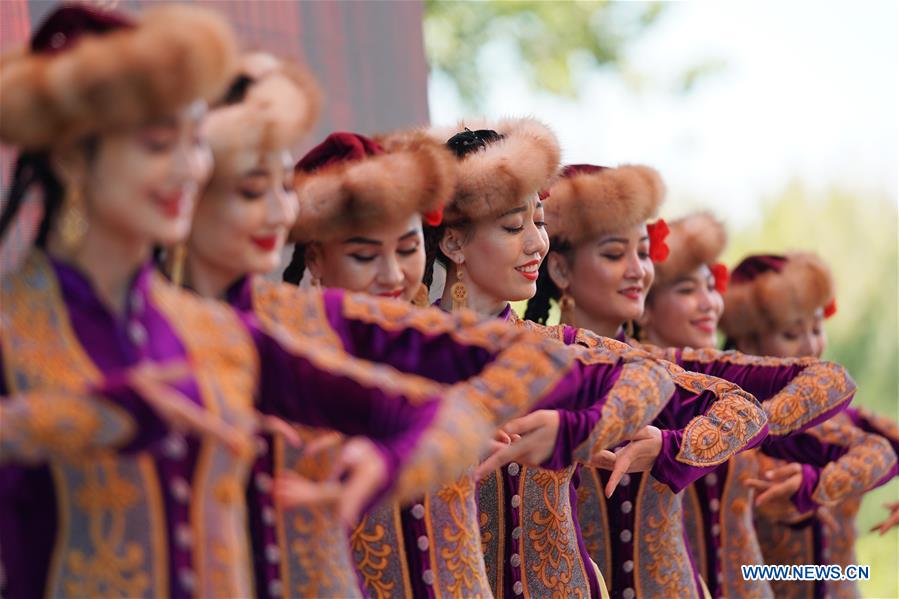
column 280, row 107
column 774, row 300
column 586, row 205
column 415, row 174
column 504, row 173
column 693, row 240
column 119, row 80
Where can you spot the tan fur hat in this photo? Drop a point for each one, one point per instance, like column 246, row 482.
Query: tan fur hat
column 587, row 201
column 692, row 241
column 350, row 180
column 280, row 104
column 89, row 71
column 502, row 172
column 770, row 292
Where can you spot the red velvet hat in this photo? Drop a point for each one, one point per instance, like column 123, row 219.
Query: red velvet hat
column 349, row 181
column 88, row 70
column 770, row 291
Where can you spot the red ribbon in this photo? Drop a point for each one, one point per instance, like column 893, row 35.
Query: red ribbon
column 830, row 309
column 719, row 271
column 658, row 232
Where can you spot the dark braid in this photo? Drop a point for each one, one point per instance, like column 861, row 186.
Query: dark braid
column 547, row 291
column 33, row 168
column 432, row 236
column 294, row 271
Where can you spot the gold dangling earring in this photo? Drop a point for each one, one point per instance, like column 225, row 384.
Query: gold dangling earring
column 629, row 329
column 315, row 282
column 459, row 292
column 566, row 308
column 176, row 264
column 421, row 296
column 72, row 222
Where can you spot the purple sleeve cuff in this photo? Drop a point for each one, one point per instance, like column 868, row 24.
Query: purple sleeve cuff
column 574, row 427
column 802, row 498
column 669, row 471
column 150, row 427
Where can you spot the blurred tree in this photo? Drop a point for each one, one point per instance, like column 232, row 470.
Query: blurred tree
column 557, row 42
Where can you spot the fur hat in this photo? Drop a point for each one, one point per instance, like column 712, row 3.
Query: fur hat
column 497, row 177
column 349, row 180
column 692, row 241
column 89, row 71
column 278, row 104
column 587, row 201
column 770, row 292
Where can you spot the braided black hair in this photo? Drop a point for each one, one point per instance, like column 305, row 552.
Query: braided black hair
column 547, row 291
column 294, row 271
column 33, row 168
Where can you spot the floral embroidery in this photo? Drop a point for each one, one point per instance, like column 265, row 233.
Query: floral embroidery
column 492, row 526
column 869, row 458
column 298, row 311
column 552, row 564
column 373, row 554
column 724, row 430
column 661, row 562
column 461, row 566
column 593, row 517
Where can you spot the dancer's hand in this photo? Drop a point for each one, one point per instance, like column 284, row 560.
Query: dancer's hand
column 891, row 521
column 533, row 440
column 639, row 455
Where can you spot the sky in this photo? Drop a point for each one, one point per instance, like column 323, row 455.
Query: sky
column 808, row 92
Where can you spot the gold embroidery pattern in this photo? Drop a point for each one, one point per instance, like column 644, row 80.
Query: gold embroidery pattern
column 60, row 425
column 110, row 513
column 492, row 526
column 593, row 516
column 695, row 526
column 641, row 391
column 817, row 390
column 298, row 320
column 459, row 564
column 317, row 559
column 551, row 561
column 739, row 544
column 841, row 546
column 869, row 458
column 373, row 543
column 732, row 422
column 214, row 337
column 882, row 425
column 782, row 544
column 661, row 563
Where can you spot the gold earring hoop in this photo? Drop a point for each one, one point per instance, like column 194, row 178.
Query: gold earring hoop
column 421, row 299
column 176, row 264
column 566, row 308
column 73, row 224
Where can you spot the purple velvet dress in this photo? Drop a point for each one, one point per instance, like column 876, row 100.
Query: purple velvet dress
column 842, row 459
column 796, row 394
column 637, row 536
column 430, row 547
column 96, row 496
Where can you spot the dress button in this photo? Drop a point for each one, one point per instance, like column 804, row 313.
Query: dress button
column 137, row 333
column 272, row 554
column 628, row 593
column 264, row 482
column 628, row 566
column 174, row 446
column 180, row 489
column 184, row 536
column 514, row 469
column 625, row 536
column 711, row 479
column 428, row 577
column 625, row 480
column 418, row 511
column 516, row 532
column 275, row 588
column 187, row 579
column 714, row 505
column 423, row 543
column 626, row 507
column 515, row 560
column 516, row 500
column 268, row 515
column 518, row 588
column 716, row 529
column 137, row 302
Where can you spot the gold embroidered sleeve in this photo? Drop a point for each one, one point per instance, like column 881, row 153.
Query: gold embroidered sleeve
column 881, row 425
column 868, row 460
column 734, row 421
column 35, row 427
